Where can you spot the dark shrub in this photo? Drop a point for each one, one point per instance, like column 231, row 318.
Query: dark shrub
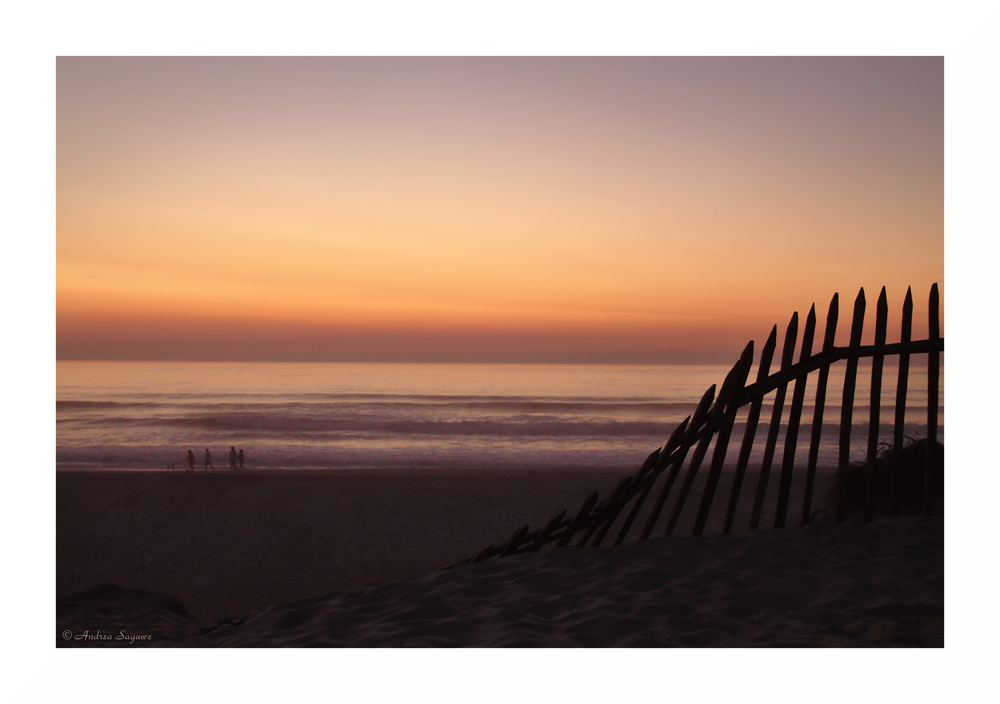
column 912, row 463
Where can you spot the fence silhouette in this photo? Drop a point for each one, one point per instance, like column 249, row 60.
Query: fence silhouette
column 715, row 417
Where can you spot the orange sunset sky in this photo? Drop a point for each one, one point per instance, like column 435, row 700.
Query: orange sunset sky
column 490, row 209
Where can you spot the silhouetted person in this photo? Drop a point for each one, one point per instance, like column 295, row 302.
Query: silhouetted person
column 191, row 460
column 208, row 460
column 240, row 458
column 232, row 458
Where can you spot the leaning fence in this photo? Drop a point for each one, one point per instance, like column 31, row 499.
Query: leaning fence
column 664, row 476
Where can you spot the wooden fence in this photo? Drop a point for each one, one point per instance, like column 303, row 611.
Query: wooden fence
column 714, row 420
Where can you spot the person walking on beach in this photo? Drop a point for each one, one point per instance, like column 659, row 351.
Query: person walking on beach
column 240, row 458
column 208, row 460
column 190, row 460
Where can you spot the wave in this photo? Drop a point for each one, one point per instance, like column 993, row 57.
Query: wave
column 280, row 429
column 263, row 423
column 98, row 405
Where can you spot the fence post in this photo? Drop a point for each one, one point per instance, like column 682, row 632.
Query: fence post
column 847, row 406
column 682, row 494
column 699, row 418
column 546, row 532
column 798, row 397
column 483, row 554
column 614, row 507
column 901, row 387
column 933, row 371
column 817, row 424
column 579, row 519
column 682, row 448
column 734, row 385
column 787, row 353
column 672, row 444
column 696, row 458
column 875, row 406
column 751, row 430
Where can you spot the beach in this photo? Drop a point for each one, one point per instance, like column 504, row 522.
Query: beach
column 436, row 359
column 827, row 586
column 229, row 543
column 354, row 558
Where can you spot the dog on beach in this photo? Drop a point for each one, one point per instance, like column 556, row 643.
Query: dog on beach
column 171, row 466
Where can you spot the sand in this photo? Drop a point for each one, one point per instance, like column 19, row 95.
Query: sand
column 826, row 587
column 353, row 559
column 225, row 543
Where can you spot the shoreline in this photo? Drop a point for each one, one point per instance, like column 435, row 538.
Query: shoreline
column 415, row 469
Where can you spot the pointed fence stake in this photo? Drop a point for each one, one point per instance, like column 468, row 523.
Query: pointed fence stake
column 700, row 415
column 750, row 432
column 679, row 453
column 483, row 554
column 901, row 387
column 546, row 532
column 875, row 406
column 933, row 373
column 794, row 414
column 693, row 467
column 696, row 459
column 787, row 353
column 672, row 443
column 847, row 406
column 515, row 541
column 736, row 380
column 817, row 424
column 615, row 506
column 579, row 519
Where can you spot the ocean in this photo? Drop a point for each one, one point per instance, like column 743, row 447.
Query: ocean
column 147, row 415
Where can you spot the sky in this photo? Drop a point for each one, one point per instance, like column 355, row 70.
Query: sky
column 607, row 210
column 963, row 32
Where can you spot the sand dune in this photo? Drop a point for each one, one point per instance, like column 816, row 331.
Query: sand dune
column 851, row 585
column 824, row 585
column 228, row 560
